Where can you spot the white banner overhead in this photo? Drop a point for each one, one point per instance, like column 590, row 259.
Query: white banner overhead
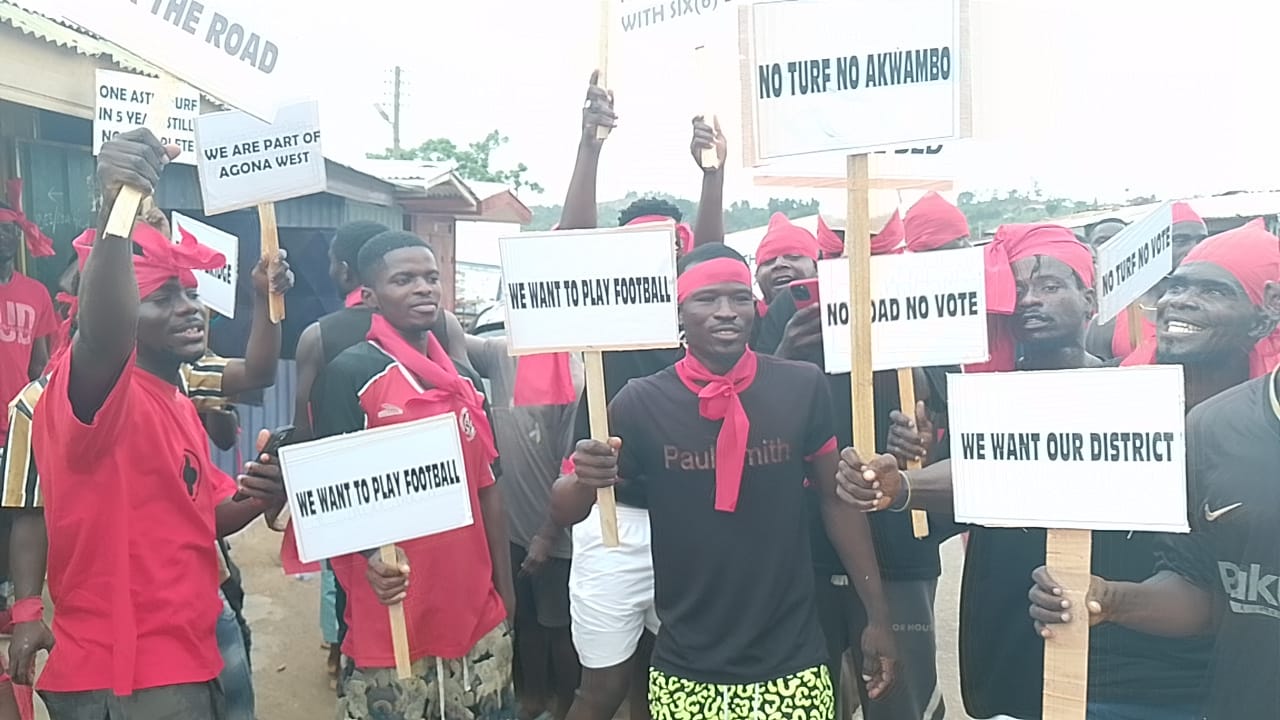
column 230, row 50
column 608, row 289
column 929, row 309
column 1132, row 262
column 890, row 77
column 245, row 162
column 123, row 100
column 1061, row 449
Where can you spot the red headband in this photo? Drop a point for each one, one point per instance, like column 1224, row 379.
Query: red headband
column 38, row 244
column 933, row 222
column 828, row 241
column 683, row 232
column 711, row 272
column 1182, row 212
column 785, row 238
column 889, row 240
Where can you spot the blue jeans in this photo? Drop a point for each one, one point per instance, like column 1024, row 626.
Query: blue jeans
column 1123, row 711
column 236, row 680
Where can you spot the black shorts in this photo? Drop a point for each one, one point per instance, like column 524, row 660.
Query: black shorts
column 194, row 701
column 547, row 592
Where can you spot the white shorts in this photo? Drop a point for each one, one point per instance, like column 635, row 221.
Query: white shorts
column 611, row 589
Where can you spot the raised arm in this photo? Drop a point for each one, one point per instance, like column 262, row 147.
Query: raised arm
column 262, row 353
column 580, row 203
column 108, row 319
column 309, row 361
column 709, row 227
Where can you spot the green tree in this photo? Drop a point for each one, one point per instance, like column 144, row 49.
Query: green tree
column 740, row 215
column 471, row 162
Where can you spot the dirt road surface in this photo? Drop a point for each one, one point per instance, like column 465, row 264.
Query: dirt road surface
column 289, row 665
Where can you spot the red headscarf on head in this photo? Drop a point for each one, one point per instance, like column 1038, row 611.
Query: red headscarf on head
column 1252, row 256
column 718, row 394
column 785, row 238
column 1182, row 212
column 933, row 222
column 38, row 244
column 684, row 233
column 889, row 240
column 160, row 261
column 1011, row 244
column 829, row 243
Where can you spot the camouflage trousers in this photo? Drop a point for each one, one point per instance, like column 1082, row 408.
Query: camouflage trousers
column 476, row 687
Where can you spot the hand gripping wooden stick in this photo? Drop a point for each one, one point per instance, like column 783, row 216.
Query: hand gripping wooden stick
column 602, row 59
column 125, row 209
column 399, row 631
column 907, row 401
column 598, row 411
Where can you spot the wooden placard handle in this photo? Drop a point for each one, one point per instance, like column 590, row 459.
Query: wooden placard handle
column 399, row 631
column 602, row 58
column 907, row 402
column 598, row 412
column 270, row 235
column 125, row 209
column 1068, row 554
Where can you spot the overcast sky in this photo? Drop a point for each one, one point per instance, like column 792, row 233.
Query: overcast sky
column 1089, row 98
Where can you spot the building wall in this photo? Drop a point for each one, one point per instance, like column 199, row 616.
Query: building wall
column 438, row 231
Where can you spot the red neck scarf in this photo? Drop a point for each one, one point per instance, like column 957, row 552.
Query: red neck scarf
column 1011, row 244
column 933, row 222
column 436, row 371
column 718, row 400
column 38, row 244
column 543, row 379
column 889, row 240
column 353, row 298
column 785, row 238
column 1252, row 255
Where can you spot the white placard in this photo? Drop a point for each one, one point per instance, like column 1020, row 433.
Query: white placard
column 122, row 103
column 371, row 488
column 232, row 50
column 1133, row 261
column 217, row 287
column 890, row 76
column 929, row 309
column 244, row 162
column 1098, row 449
column 609, row 289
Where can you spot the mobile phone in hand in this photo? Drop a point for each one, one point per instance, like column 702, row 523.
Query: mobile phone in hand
column 278, row 437
column 805, row 292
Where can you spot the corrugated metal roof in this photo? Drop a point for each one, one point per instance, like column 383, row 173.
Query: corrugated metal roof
column 72, row 37
column 1236, row 205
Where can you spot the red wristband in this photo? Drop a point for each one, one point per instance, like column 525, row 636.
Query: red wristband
column 28, row 610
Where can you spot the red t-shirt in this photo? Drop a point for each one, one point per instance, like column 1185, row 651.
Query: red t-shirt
column 133, row 567
column 26, row 315
column 452, row 602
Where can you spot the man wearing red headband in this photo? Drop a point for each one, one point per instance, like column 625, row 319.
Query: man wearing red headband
column 1218, row 319
column 721, row 445
column 1112, row 338
column 935, row 224
column 27, row 319
column 787, row 252
column 133, row 502
column 1051, row 275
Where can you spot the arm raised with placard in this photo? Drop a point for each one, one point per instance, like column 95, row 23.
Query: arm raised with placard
column 580, row 202
column 709, row 227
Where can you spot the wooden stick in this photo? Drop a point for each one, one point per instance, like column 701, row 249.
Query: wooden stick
column 399, row 631
column 1066, row 655
column 858, row 248
column 602, row 56
column 125, row 209
column 709, row 159
column 270, row 249
column 598, row 411
column 1133, row 315
column 907, row 402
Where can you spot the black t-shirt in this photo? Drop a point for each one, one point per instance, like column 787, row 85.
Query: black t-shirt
column 734, row 591
column 1233, row 455
column 343, row 329
column 901, row 556
column 619, row 369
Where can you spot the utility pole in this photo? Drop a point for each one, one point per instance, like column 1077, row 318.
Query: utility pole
column 395, row 114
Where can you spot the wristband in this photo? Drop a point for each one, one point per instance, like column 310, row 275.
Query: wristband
column 906, row 499
column 27, row 610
